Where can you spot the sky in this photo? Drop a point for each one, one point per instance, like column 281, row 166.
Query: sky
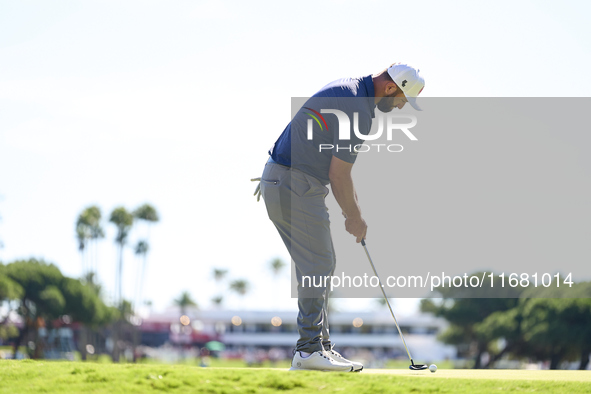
column 176, row 104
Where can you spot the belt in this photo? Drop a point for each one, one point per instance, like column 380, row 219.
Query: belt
column 271, row 161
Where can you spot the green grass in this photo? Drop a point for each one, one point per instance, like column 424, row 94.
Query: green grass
column 404, row 363
column 29, row 376
column 222, row 363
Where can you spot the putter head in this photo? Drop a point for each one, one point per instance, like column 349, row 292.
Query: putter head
column 417, row 367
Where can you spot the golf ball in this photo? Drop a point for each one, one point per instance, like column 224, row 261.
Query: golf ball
column 432, row 367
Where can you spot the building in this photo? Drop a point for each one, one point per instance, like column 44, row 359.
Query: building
column 263, row 329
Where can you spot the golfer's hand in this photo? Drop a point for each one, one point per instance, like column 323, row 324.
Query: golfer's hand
column 357, row 227
column 257, row 191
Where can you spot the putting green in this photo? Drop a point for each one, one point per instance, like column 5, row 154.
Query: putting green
column 504, row 374
column 28, row 376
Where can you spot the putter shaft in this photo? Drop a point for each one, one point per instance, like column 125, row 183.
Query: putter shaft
column 387, row 302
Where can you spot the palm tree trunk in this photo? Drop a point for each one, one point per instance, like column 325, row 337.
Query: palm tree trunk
column 83, row 261
column 96, row 256
column 138, row 283
column 92, row 253
column 143, row 278
column 120, row 274
column 117, row 325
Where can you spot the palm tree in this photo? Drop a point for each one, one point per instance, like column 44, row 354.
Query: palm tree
column 141, row 250
column 96, row 232
column 88, row 231
column 88, row 227
column 240, row 286
column 147, row 214
column 277, row 266
column 81, row 237
column 184, row 301
column 123, row 220
column 219, row 274
column 217, row 301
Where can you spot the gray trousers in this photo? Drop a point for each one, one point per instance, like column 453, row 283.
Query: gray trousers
column 295, row 204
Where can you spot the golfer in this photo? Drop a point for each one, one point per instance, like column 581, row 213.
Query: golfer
column 309, row 155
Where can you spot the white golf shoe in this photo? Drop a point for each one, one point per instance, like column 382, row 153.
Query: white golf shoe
column 319, row 361
column 357, row 367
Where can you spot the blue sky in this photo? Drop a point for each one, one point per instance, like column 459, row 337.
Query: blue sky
column 176, row 103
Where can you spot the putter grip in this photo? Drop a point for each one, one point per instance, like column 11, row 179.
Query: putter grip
column 363, row 241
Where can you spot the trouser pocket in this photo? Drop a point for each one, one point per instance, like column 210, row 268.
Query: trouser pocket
column 272, row 196
column 272, row 181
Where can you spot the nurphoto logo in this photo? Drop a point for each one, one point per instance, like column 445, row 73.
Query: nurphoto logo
column 389, row 122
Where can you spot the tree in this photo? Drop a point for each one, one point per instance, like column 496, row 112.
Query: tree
column 47, row 294
column 505, row 325
column 557, row 323
column 554, row 329
column 9, row 291
column 240, row 286
column 121, row 218
column 145, row 213
column 185, row 300
column 91, row 281
column 141, row 250
column 96, row 233
column 464, row 313
column 124, row 221
column 88, row 232
column 548, row 328
column 81, row 237
column 543, row 324
column 217, row 301
column 219, row 274
column 277, row 266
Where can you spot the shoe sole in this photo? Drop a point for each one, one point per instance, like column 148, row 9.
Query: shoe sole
column 323, row 370
column 352, row 368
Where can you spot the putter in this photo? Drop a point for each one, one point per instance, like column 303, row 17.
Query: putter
column 412, row 366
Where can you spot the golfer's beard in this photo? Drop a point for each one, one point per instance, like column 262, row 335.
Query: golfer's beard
column 386, row 104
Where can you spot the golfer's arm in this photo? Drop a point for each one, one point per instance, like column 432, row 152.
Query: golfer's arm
column 342, row 187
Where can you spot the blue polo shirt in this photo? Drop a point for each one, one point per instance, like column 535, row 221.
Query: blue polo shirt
column 352, row 96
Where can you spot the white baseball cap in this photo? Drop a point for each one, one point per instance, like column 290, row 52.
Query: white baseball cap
column 409, row 80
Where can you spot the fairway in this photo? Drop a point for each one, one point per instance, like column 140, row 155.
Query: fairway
column 63, row 377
